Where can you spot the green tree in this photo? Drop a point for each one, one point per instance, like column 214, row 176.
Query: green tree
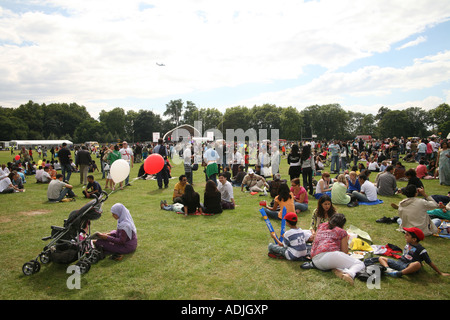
column 441, row 119
column 393, row 124
column 237, row 118
column 291, row 124
column 174, row 110
column 114, row 121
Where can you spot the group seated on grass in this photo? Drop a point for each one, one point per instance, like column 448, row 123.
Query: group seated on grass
column 326, row 245
column 217, row 197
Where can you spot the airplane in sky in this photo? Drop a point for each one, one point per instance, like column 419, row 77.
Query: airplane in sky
column 160, row 64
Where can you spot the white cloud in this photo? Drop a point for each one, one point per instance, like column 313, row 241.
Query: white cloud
column 413, row 43
column 108, row 49
column 334, row 87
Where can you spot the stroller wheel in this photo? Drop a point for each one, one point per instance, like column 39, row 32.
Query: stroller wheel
column 84, row 266
column 94, row 256
column 45, row 258
column 31, row 267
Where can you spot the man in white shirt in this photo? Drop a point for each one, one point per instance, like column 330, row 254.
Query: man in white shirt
column 42, row 176
column 226, row 191
column 238, row 160
column 368, row 190
column 275, row 160
column 127, row 155
column 6, row 186
column 187, row 158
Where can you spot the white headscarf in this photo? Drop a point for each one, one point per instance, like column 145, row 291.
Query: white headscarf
column 125, row 221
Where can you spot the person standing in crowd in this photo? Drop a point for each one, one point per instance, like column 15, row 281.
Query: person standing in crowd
column 163, row 175
column 293, row 160
column 308, row 166
column 64, row 156
column 334, row 148
column 443, row 163
column 83, row 161
column 127, row 155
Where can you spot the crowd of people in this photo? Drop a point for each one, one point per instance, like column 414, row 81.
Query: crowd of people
column 353, row 167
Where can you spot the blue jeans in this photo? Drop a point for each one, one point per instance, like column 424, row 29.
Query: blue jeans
column 360, row 196
column 343, row 164
column 66, row 168
column 271, row 214
column 334, row 163
column 64, row 192
column 300, row 206
column 397, row 264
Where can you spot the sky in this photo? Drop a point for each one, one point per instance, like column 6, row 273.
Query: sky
column 103, row 54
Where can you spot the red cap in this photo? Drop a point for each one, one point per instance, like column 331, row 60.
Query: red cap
column 419, row 234
column 291, row 216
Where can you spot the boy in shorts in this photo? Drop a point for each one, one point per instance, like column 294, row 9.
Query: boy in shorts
column 413, row 255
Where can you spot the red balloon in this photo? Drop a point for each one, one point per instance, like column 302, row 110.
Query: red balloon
column 154, row 163
column 17, row 157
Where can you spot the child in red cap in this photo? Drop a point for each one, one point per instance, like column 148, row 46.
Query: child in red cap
column 294, row 245
column 413, row 255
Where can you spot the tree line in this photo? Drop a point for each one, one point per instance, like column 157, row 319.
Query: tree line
column 324, row 122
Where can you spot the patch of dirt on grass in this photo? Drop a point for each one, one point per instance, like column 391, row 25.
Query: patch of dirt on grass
column 34, row 213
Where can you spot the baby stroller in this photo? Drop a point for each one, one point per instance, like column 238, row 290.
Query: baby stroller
column 71, row 242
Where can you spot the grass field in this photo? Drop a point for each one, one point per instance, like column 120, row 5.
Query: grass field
column 222, row 257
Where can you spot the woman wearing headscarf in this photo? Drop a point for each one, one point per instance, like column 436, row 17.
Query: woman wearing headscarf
column 121, row 241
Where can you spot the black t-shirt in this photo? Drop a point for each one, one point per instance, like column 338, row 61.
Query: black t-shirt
column 415, row 253
column 415, row 181
column 94, row 186
column 64, row 156
column 212, row 203
column 191, row 204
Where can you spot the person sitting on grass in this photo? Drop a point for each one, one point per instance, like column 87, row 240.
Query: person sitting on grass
column 285, row 198
column 121, row 241
column 413, row 210
column 237, row 180
column 386, row 182
column 323, row 186
column 324, row 211
column 353, row 182
column 93, row 188
column 294, row 245
column 57, row 189
column 179, row 188
column 368, row 191
column 330, row 250
column 190, row 200
column 6, row 185
column 212, row 203
column 413, row 256
column 300, row 195
column 226, row 191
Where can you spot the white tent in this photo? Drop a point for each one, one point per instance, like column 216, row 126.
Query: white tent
column 34, row 143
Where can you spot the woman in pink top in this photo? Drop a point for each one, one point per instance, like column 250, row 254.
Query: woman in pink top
column 330, row 249
column 300, row 196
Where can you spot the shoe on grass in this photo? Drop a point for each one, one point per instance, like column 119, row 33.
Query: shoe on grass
column 395, row 274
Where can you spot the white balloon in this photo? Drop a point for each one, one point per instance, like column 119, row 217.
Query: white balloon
column 120, row 169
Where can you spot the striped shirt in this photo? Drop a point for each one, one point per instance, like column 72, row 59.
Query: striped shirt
column 295, row 242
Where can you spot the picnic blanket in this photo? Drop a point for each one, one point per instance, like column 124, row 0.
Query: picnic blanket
column 371, row 203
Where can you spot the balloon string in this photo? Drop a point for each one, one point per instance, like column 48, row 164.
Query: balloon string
column 128, row 183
